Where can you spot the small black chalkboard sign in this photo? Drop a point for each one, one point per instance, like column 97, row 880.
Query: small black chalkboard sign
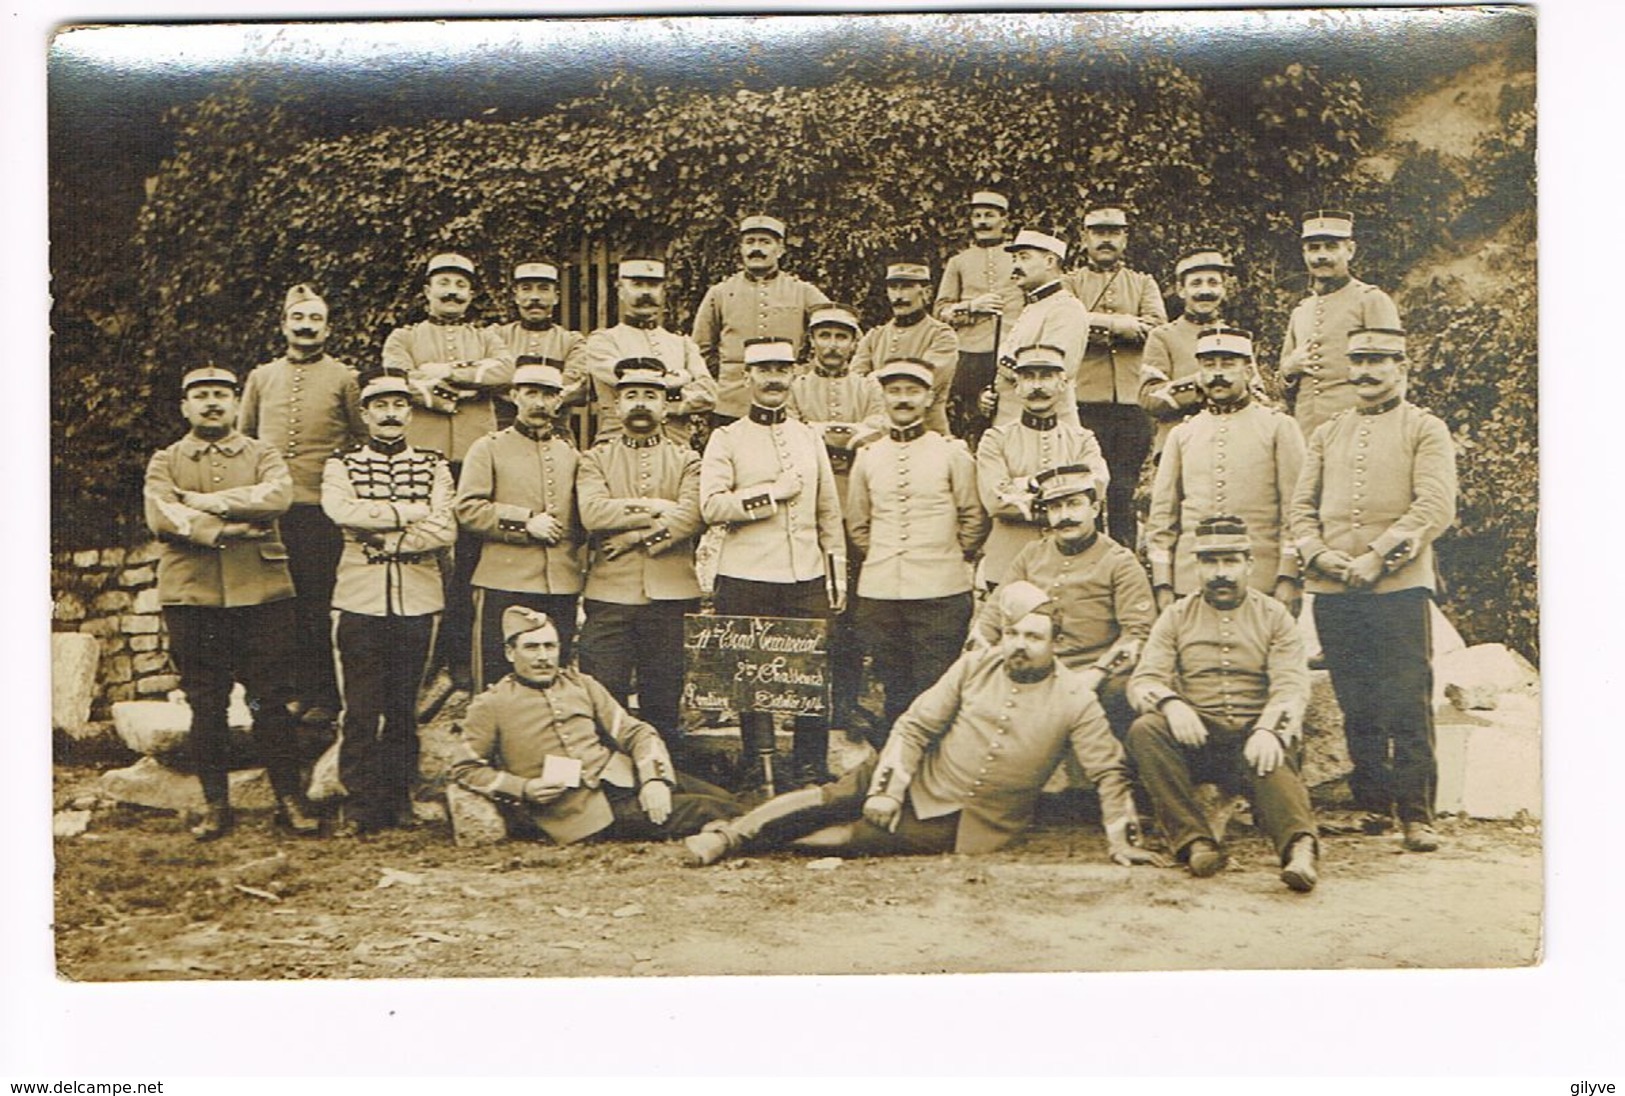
column 755, row 664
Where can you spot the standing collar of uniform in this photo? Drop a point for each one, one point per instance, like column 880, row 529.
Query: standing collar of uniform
column 1039, row 422
column 448, row 321
column 294, row 357
column 909, row 321
column 1200, row 324
column 387, row 448
column 1093, row 540
column 634, row 441
column 749, row 277
column 1314, row 286
column 534, row 433
column 1047, row 290
column 908, row 433
column 537, row 686
column 843, row 371
column 1001, row 243
column 545, row 325
column 1381, row 408
column 1095, row 268
column 1242, row 404
column 768, row 416
column 636, row 325
column 193, row 446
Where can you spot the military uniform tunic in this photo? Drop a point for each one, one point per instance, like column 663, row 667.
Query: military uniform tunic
column 1051, row 316
column 613, row 477
column 742, row 307
column 309, row 410
column 406, row 497
column 1007, row 459
column 966, row 276
column 926, row 339
column 1243, row 462
column 450, row 415
column 508, row 478
column 1322, row 322
column 554, row 342
column 680, row 356
column 1110, row 369
column 821, row 400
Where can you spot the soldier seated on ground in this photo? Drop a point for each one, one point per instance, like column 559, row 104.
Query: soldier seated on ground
column 558, row 755
column 964, row 765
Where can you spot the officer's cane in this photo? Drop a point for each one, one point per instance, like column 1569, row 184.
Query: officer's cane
column 993, row 381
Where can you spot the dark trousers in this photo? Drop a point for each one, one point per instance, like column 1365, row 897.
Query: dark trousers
column 212, row 647
column 623, row 642
column 913, row 643
column 693, row 804
column 382, row 660
column 1170, row 771
column 489, row 661
column 801, row 600
column 830, row 818
column 846, row 652
column 1124, row 432
column 314, row 545
column 973, row 376
column 1378, row 648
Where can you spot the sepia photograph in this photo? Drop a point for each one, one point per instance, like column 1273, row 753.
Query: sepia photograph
column 795, row 495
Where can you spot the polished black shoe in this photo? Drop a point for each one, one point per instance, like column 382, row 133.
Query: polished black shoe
column 1419, row 837
column 1205, row 858
column 1300, row 874
column 217, row 821
column 292, row 816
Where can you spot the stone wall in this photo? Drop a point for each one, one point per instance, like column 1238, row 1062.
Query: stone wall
column 112, row 594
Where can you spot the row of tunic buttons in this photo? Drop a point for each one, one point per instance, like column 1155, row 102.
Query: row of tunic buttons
column 785, row 463
column 994, row 744
column 902, row 484
column 1225, row 635
column 1359, row 471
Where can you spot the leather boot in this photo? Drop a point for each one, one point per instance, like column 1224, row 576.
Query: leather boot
column 292, row 815
column 720, row 838
column 217, row 821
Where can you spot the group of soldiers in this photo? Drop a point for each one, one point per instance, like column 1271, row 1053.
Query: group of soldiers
column 951, row 491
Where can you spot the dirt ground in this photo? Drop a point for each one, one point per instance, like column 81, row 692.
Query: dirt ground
column 137, row 899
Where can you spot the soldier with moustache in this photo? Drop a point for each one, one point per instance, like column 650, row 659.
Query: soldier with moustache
column 1124, row 306
column 307, row 404
column 1378, row 487
column 1237, row 456
column 639, row 494
column 640, row 287
column 1103, row 601
column 964, row 765
column 536, row 335
column 1050, row 316
column 1169, row 391
column 1314, row 351
column 213, row 499
column 1221, row 688
column 913, row 512
column 976, row 297
column 761, row 301
column 913, row 332
column 454, row 369
column 394, row 503
column 562, row 759
column 850, row 412
column 767, row 479
column 1010, row 457
column 517, row 494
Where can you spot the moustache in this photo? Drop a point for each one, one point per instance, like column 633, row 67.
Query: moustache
column 639, row 413
column 1204, row 298
column 391, row 422
column 755, row 254
column 1219, row 584
column 1068, row 523
column 1365, row 381
column 644, row 301
column 304, row 333
column 454, row 298
column 1040, row 393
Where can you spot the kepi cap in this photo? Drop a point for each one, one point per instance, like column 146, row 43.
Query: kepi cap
column 542, row 373
column 449, row 260
column 301, row 294
column 761, row 222
column 641, row 268
column 1222, row 533
column 642, row 371
column 1040, row 356
column 385, row 383
column 1064, row 480
column 769, row 351
column 990, row 198
column 1332, row 223
column 907, row 369
column 1211, row 341
column 908, row 272
column 1106, row 216
column 1017, row 599
column 209, row 374
column 1043, row 241
column 519, row 619
column 834, row 314
column 1376, row 342
column 1202, row 259
column 539, row 272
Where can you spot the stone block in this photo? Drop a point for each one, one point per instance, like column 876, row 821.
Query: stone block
column 74, row 659
column 1446, row 640
column 147, row 601
column 149, row 783
column 1325, row 752
column 138, row 576
column 152, row 726
column 145, row 624
column 1489, row 665
column 475, row 820
column 113, row 601
column 142, row 644
column 119, row 669
column 142, row 553
column 69, row 608
column 1468, row 698
column 69, row 823
column 1492, row 770
column 125, row 691
column 157, row 684
column 151, row 662
column 437, row 743
column 101, row 626
column 112, row 557
column 86, row 559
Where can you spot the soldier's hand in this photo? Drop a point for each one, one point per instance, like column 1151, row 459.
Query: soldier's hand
column 1164, row 596
column 1334, row 564
column 620, row 544
column 987, row 403
column 1187, row 727
column 1289, row 593
column 883, row 811
column 235, row 530
column 436, row 371
column 658, row 508
column 987, row 304
column 786, row 487
column 545, row 528
column 1263, row 751
column 1299, row 361
column 655, row 799
column 1364, row 571
column 205, row 501
column 538, row 790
